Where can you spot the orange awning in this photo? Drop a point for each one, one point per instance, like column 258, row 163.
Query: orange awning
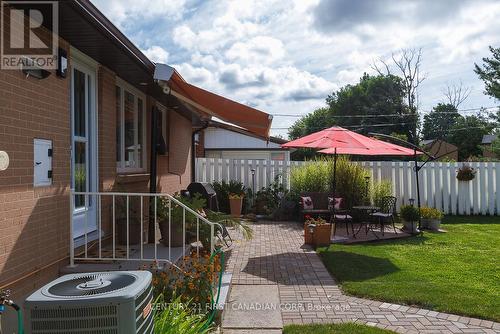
column 251, row 119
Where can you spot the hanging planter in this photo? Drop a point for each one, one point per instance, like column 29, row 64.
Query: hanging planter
column 466, row 173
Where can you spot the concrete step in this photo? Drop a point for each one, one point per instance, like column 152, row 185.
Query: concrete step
column 252, row 307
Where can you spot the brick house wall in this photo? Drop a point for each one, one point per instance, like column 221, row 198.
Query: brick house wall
column 34, row 228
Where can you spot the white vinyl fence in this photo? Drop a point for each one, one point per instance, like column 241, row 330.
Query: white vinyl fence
column 439, row 187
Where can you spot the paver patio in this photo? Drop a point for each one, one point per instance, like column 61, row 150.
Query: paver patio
column 308, row 294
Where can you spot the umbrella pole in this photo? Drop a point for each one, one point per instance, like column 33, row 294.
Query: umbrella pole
column 335, row 172
column 417, row 169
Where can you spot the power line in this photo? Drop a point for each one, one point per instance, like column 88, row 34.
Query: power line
column 470, row 110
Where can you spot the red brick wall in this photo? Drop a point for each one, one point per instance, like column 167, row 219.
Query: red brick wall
column 200, row 146
column 174, row 170
column 34, row 228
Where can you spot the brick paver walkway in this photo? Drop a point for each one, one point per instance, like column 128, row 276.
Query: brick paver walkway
column 308, row 294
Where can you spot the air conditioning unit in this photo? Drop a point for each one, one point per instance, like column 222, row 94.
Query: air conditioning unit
column 116, row 302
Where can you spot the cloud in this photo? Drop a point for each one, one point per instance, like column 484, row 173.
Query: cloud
column 157, row 54
column 287, row 56
column 259, row 49
column 126, row 12
column 360, row 17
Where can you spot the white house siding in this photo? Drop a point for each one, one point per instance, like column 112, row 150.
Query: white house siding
column 216, row 138
column 254, row 155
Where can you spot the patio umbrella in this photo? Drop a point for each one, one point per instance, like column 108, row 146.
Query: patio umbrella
column 337, row 140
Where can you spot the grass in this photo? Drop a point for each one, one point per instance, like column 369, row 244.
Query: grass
column 347, row 328
column 455, row 272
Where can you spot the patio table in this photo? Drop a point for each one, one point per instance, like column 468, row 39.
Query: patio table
column 366, row 210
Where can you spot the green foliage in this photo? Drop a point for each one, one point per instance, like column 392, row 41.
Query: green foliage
column 345, row 328
column 430, row 213
column 268, row 199
column 454, row 272
column 244, row 226
column 495, row 147
column 223, row 189
column 467, row 134
column 489, row 72
column 177, row 317
column 439, row 121
column 409, row 213
column 379, row 190
column 317, row 176
column 371, row 97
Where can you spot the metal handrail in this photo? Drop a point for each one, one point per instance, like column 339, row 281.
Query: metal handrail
column 171, row 199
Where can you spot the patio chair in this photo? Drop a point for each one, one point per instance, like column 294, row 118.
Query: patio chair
column 386, row 214
column 340, row 216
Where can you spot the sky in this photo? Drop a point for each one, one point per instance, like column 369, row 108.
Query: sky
column 285, row 57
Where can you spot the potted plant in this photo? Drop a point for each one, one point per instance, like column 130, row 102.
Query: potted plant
column 308, row 237
column 410, row 216
column 466, row 173
column 321, row 231
column 174, row 236
column 236, row 204
column 431, row 218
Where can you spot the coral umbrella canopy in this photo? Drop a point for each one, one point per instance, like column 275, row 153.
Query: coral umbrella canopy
column 337, row 140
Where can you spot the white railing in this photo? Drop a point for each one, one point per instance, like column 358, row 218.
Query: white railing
column 439, row 187
column 100, row 243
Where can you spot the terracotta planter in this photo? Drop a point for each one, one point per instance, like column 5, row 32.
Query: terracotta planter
column 308, row 237
column 322, row 235
column 235, row 205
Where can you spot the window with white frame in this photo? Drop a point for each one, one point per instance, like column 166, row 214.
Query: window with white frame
column 130, row 128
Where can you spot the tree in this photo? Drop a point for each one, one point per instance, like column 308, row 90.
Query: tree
column 456, row 94
column 489, row 72
column 495, row 147
column 375, row 104
column 467, row 134
column 439, row 121
column 317, row 120
column 408, row 64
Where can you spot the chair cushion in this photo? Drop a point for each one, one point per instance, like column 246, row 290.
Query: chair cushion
column 381, row 214
column 334, row 203
column 343, row 217
column 307, row 203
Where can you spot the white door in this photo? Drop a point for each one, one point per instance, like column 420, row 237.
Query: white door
column 83, row 148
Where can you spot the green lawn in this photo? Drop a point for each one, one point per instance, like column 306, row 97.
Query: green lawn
column 348, row 328
column 456, row 272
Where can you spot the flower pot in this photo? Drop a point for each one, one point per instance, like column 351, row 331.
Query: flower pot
column 434, row 224
column 176, row 238
column 321, row 236
column 134, row 231
column 425, row 223
column 308, row 237
column 235, row 205
column 410, row 227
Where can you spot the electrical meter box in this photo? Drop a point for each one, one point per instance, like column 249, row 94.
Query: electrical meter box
column 42, row 163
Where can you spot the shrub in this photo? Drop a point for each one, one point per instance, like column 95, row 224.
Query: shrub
column 379, row 190
column 268, row 200
column 317, row 176
column 430, row 213
column 224, row 189
column 192, row 281
column 177, row 317
column 410, row 213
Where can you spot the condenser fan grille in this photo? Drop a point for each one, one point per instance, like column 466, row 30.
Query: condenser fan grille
column 92, row 284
